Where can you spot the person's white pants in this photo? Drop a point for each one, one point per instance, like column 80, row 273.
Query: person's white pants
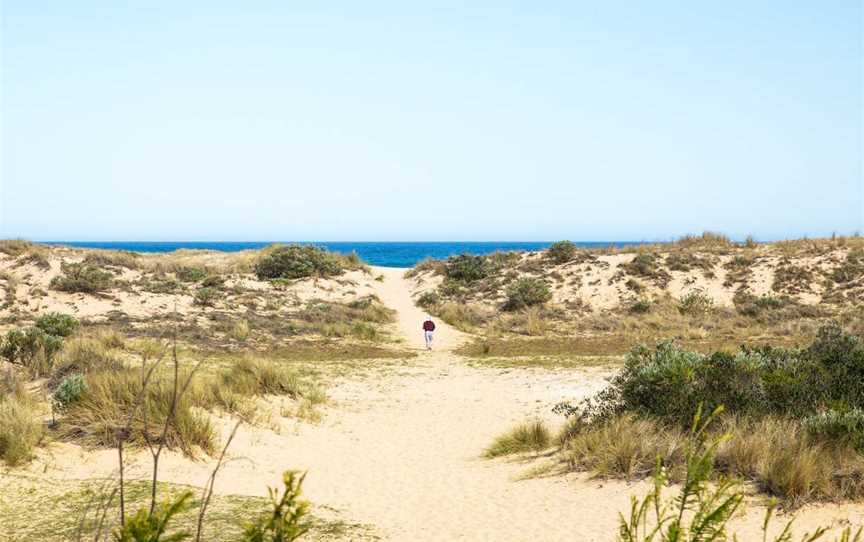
column 428, row 335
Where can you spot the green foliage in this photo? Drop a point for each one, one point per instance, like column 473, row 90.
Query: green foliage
column 57, row 324
column 300, row 261
column 213, row 281
column 647, row 265
column 838, row 426
column 32, row 348
column 668, row 382
column 561, row 251
column 526, row 437
column 428, row 299
column 70, row 391
column 704, row 505
column 851, row 269
column 467, row 268
column 147, row 527
column 81, row 277
column 695, row 302
column 640, row 306
column 190, row 274
column 206, row 297
column 286, row 521
column 527, row 292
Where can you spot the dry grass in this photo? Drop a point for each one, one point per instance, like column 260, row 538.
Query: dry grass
column 531, row 436
column 774, row 453
column 21, row 426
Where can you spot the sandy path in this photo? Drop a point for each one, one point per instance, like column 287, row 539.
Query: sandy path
column 401, row 451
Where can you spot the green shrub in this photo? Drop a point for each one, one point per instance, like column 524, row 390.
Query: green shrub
column 83, row 278
column 844, row 426
column 57, row 324
column 467, row 268
column 190, row 274
column 145, row 526
column 647, row 265
column 640, row 306
column 300, row 261
column 32, row 348
column 561, row 251
column 851, row 269
column 287, row 519
column 206, row 297
column 213, row 281
column 527, row 292
column 526, row 437
column 70, row 391
column 695, row 303
column 428, row 299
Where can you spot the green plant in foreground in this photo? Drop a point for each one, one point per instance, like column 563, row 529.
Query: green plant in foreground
column 701, row 510
column 57, row 324
column 286, row 521
column 147, row 526
column 81, row 277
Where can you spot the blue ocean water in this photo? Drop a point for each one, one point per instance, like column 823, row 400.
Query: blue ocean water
column 387, row 254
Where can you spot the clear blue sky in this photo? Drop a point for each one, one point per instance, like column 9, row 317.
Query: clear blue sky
column 450, row 121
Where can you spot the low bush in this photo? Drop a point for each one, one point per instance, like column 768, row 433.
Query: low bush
column 695, row 303
column 838, row 426
column 57, row 324
column 70, row 391
column 32, row 348
column 527, row 292
column 81, row 277
column 206, row 297
column 851, row 269
column 561, row 252
column 467, row 268
column 526, row 437
column 428, row 299
column 639, row 306
column 301, row 261
column 190, row 274
column 647, row 265
column 286, row 521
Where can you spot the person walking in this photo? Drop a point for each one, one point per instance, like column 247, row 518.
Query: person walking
column 428, row 328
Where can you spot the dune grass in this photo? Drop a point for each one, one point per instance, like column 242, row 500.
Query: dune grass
column 533, row 436
column 21, row 426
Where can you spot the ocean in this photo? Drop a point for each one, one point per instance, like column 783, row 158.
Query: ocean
column 386, row 254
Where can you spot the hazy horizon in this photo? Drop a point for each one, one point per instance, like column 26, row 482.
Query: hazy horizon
column 387, row 121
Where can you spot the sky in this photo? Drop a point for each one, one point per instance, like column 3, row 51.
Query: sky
column 328, row 121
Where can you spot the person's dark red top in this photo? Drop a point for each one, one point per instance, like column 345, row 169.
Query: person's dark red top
column 428, row 325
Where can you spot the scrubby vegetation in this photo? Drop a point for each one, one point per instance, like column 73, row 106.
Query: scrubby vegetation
column 82, row 278
column 527, row 437
column 301, row 261
column 793, row 416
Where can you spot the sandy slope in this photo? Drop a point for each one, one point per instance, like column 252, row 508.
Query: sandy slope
column 401, row 452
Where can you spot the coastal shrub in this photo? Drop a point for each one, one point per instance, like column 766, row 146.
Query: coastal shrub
column 647, row 265
column 206, row 297
column 428, row 299
column 695, row 302
column 213, row 281
column 21, row 429
column 527, row 292
column 57, row 324
column 462, row 316
column 32, row 348
column 88, row 354
column 833, row 425
column 70, row 391
column 14, row 247
column 81, row 277
column 639, row 306
column 531, row 436
column 301, row 261
column 561, row 251
column 287, row 519
column 467, row 268
column 160, row 284
column 190, row 274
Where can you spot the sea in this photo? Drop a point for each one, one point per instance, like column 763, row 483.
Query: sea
column 386, row 254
